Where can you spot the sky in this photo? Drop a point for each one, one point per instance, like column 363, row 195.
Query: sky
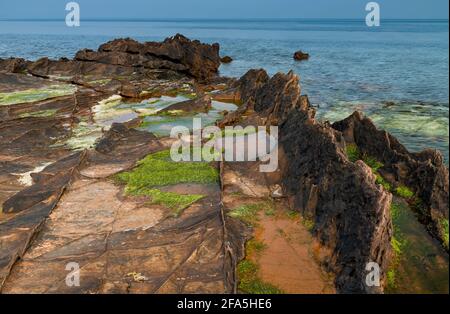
column 220, row 9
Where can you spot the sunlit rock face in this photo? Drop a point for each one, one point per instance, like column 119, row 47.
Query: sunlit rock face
column 72, row 130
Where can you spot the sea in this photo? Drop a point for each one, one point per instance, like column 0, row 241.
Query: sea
column 397, row 73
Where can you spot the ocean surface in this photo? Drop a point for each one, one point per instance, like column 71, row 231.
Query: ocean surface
column 398, row 73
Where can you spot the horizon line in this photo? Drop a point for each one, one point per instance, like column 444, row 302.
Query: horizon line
column 150, row 19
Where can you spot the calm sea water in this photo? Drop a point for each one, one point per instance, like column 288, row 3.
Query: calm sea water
column 351, row 66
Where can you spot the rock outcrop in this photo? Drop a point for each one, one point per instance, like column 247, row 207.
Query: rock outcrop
column 351, row 213
column 127, row 56
column 300, row 56
column 13, row 65
column 226, row 59
column 61, row 149
column 423, row 172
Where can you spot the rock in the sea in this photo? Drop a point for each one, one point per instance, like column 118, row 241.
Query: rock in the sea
column 123, row 57
column 300, row 55
column 226, row 59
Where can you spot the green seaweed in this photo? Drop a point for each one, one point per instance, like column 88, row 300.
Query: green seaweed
column 381, row 181
column 404, row 192
column 391, row 279
column 352, row 152
column 293, row 214
column 174, row 201
column 443, row 230
column 248, row 213
column 254, row 246
column 36, row 94
column 308, row 223
column 39, row 114
column 354, row 155
column 397, row 243
column 249, row 282
column 372, row 163
column 159, row 170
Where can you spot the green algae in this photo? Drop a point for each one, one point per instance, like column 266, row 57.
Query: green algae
column 248, row 213
column 39, row 114
column 249, row 281
column 419, row 263
column 84, row 136
column 174, row 201
column 381, row 181
column 36, row 94
column 254, row 246
column 159, row 170
column 352, row 152
column 404, row 191
column 354, row 155
column 397, row 243
column 443, row 230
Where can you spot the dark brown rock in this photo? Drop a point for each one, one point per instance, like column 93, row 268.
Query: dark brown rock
column 250, row 83
column 351, row 213
column 300, row 56
column 13, row 65
column 424, row 172
column 226, row 59
column 48, row 187
column 202, row 60
column 123, row 57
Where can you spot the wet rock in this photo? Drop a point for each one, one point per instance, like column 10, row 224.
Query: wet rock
column 130, row 91
column 48, row 186
column 226, row 59
column 201, row 104
column 300, row 56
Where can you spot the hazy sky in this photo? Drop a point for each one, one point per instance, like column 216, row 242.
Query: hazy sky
column 55, row 9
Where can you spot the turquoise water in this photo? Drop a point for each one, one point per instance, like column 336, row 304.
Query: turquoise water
column 351, row 66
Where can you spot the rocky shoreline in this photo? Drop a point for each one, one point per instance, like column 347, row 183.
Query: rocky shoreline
column 69, row 127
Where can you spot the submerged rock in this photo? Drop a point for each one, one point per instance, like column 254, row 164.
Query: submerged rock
column 226, row 59
column 300, row 55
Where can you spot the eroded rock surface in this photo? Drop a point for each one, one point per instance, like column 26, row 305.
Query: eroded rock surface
column 350, row 211
column 424, row 172
column 68, row 127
